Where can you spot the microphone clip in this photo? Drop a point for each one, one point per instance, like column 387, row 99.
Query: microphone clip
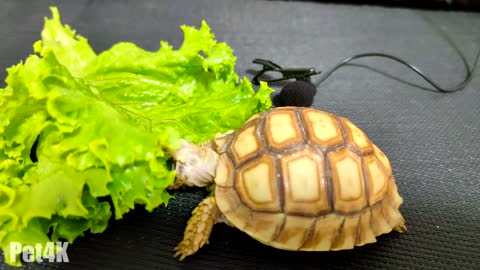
column 287, row 73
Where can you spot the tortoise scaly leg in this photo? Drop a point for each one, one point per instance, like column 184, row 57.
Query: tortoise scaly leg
column 199, row 227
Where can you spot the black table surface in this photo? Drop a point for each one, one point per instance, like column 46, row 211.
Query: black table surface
column 432, row 139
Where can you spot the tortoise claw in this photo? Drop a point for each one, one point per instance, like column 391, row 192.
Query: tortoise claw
column 182, row 251
column 401, row 227
column 181, row 254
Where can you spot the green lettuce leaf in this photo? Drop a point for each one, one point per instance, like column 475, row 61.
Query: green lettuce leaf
column 98, row 125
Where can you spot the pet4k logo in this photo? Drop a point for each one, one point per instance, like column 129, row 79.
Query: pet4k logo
column 48, row 252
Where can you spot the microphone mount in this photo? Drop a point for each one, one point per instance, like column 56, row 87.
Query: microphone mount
column 302, row 74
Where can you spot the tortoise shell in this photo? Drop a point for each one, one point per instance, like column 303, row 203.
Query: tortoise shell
column 303, row 179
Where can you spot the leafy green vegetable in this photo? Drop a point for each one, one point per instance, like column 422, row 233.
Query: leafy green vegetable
column 102, row 123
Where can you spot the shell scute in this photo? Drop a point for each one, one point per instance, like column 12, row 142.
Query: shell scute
column 356, row 138
column 246, row 143
column 322, row 128
column 347, row 181
column 256, row 184
column 305, row 183
column 283, row 130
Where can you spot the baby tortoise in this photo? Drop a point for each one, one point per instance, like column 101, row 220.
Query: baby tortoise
column 292, row 178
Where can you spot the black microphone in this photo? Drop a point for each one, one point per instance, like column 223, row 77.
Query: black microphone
column 299, row 93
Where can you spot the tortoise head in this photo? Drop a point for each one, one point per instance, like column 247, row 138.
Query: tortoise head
column 194, row 165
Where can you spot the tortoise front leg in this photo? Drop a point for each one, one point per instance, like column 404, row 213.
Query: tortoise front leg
column 199, row 227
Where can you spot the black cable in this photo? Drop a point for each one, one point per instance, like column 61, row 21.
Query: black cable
column 468, row 75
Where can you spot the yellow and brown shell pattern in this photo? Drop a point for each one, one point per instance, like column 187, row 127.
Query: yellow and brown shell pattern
column 303, row 179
